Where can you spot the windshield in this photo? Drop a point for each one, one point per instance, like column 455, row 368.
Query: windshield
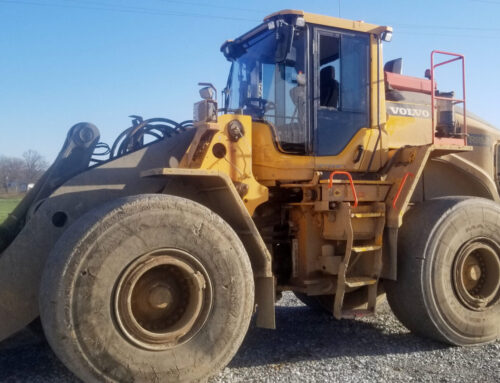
column 266, row 85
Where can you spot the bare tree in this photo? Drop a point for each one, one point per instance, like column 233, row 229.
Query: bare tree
column 34, row 166
column 11, row 171
column 15, row 172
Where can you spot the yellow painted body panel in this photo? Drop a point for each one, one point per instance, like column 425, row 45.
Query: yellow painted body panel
column 237, row 162
column 378, row 116
column 270, row 164
column 377, row 83
column 404, row 131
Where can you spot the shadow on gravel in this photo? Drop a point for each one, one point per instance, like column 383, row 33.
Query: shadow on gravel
column 27, row 357
column 303, row 334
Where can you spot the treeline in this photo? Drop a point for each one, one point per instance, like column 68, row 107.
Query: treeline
column 17, row 174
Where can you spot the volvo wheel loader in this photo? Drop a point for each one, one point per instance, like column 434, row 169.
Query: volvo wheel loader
column 320, row 171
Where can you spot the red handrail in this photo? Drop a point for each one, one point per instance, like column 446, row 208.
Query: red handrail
column 403, row 181
column 330, row 183
column 433, row 88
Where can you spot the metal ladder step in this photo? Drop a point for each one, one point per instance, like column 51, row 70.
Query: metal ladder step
column 359, row 281
column 364, row 249
column 368, row 215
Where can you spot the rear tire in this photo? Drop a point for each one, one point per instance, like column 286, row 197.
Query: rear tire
column 448, row 281
column 147, row 289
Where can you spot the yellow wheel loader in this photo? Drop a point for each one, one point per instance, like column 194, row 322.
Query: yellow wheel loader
column 320, row 171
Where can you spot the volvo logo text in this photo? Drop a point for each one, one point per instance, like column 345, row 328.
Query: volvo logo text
column 410, row 112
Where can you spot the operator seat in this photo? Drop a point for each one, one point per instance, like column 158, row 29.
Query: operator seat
column 329, row 87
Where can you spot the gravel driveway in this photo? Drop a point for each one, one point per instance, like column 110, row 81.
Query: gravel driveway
column 307, row 347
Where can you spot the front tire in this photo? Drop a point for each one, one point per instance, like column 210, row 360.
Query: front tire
column 152, row 288
column 448, row 284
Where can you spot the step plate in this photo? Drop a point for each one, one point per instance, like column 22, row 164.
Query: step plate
column 359, row 281
column 364, row 249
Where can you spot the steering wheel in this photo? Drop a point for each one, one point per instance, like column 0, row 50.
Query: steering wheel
column 263, row 104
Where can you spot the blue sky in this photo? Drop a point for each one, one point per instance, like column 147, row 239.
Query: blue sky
column 65, row 61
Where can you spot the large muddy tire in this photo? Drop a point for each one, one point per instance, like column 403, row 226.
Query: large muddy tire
column 448, row 281
column 152, row 288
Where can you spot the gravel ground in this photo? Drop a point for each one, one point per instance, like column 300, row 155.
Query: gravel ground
column 307, row 347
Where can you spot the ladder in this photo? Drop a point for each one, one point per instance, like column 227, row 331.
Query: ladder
column 347, row 278
column 355, row 249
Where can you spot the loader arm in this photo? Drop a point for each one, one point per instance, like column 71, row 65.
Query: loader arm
column 73, row 158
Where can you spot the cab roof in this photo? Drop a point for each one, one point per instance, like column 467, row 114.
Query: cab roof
column 330, row 21
column 312, row 18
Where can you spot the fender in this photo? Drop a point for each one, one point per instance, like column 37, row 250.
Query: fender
column 458, row 176
column 216, row 190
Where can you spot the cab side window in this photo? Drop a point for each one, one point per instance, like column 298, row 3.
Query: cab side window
column 341, row 104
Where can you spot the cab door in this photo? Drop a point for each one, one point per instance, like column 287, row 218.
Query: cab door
column 341, row 89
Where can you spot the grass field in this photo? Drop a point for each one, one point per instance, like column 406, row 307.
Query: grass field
column 7, row 205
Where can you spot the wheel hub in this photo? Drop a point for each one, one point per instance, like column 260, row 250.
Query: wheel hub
column 162, row 299
column 476, row 274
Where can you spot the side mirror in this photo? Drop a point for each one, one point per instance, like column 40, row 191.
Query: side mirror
column 207, row 93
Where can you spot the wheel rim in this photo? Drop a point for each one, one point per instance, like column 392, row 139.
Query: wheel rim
column 162, row 299
column 477, row 274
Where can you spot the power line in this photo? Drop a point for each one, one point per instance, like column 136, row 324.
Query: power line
column 163, row 11
column 125, row 9
column 486, row 2
column 449, row 35
column 102, row 6
column 212, row 5
column 461, row 28
column 198, row 4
